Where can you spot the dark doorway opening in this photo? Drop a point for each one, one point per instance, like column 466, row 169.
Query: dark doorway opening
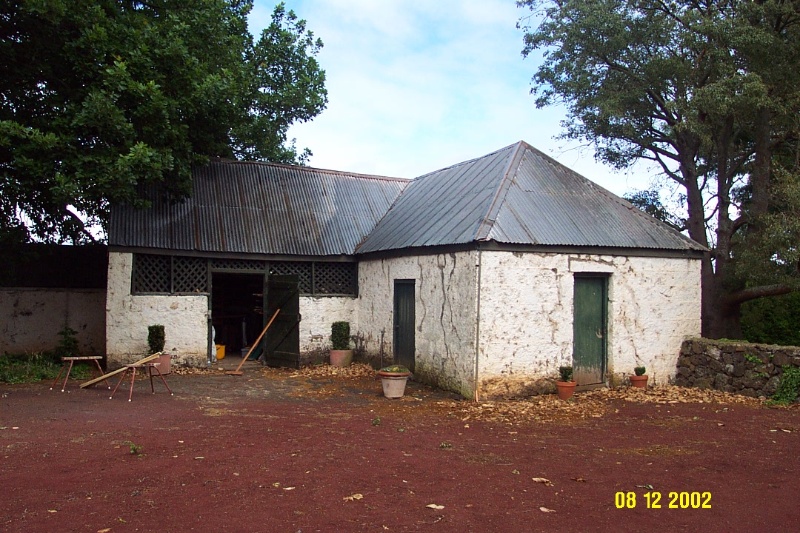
column 237, row 310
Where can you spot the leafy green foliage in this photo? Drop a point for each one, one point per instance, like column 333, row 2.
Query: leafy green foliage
column 340, row 335
column 789, row 386
column 28, row 368
column 773, row 320
column 397, row 369
column 565, row 373
column 639, row 370
column 155, row 338
column 112, row 101
column 68, row 343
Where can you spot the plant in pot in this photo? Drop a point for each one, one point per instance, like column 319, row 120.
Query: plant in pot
column 393, row 380
column 639, row 379
column 341, row 354
column 155, row 340
column 565, row 384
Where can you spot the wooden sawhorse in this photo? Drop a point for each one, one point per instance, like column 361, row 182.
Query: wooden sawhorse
column 71, row 360
column 132, row 367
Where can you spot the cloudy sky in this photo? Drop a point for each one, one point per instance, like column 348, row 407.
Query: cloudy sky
column 418, row 85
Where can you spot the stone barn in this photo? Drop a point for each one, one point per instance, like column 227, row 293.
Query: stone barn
column 483, row 277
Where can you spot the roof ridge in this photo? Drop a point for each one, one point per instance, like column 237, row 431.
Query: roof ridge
column 467, row 162
column 488, row 221
column 306, row 168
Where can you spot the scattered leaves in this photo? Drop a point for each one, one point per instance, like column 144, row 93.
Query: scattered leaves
column 353, row 497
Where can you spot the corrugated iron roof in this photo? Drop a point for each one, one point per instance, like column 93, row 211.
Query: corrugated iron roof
column 517, row 195
column 262, row 208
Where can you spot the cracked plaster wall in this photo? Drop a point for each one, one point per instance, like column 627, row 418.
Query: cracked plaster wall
column 185, row 319
column 318, row 313
column 654, row 305
column 445, row 310
column 30, row 319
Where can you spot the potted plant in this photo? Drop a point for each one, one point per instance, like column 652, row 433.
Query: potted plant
column 155, row 340
column 341, row 354
column 393, row 380
column 639, row 379
column 565, row 384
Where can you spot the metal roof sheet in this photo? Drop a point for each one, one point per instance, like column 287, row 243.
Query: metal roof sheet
column 517, row 195
column 262, row 208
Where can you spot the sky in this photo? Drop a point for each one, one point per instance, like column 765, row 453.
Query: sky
column 419, row 85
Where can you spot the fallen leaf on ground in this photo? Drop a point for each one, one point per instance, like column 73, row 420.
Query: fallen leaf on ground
column 578, row 479
column 546, row 510
column 434, row 506
column 353, row 497
column 546, row 481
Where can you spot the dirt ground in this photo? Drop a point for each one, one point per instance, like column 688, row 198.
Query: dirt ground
column 322, row 450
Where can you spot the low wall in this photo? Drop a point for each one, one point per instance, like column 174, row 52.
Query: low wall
column 31, row 319
column 739, row 367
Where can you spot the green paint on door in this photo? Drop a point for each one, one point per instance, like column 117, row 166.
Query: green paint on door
column 589, row 329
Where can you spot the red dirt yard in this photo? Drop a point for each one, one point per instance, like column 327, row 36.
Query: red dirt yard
column 322, row 450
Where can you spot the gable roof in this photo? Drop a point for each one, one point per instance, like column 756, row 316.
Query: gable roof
column 261, row 208
column 520, row 196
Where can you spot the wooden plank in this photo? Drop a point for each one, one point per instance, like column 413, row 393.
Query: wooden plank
column 119, row 370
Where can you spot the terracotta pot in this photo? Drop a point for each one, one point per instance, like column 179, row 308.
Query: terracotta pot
column 639, row 381
column 566, row 389
column 165, row 360
column 394, row 383
column 341, row 358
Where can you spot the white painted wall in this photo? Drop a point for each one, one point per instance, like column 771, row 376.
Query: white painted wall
column 30, row 319
column 185, row 319
column 445, row 311
column 526, row 316
column 318, row 313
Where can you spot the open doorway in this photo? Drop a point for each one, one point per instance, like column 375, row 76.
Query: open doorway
column 237, row 311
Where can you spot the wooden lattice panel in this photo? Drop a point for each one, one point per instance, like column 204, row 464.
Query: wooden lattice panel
column 151, row 274
column 336, row 278
column 299, row 268
column 189, row 274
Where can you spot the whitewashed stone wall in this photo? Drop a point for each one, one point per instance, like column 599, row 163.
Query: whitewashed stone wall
column 185, row 320
column 526, row 316
column 445, row 312
column 31, row 319
column 318, row 313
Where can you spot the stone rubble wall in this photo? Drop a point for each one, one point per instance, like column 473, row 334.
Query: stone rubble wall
column 731, row 366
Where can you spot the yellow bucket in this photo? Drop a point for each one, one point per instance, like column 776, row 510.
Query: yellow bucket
column 220, row 351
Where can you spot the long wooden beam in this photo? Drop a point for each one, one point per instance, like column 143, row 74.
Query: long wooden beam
column 119, row 370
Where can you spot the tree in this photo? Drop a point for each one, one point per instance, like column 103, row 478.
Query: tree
column 709, row 92
column 104, row 100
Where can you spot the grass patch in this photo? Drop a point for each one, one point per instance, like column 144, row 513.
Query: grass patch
column 33, row 367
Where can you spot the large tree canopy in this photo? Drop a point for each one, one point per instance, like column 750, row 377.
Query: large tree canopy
column 708, row 91
column 100, row 99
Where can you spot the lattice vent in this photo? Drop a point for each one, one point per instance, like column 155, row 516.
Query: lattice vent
column 151, row 274
column 238, row 264
column 189, row 274
column 300, row 268
column 336, row 278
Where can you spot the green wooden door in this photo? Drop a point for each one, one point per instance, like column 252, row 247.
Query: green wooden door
column 282, row 340
column 589, row 330
column 404, row 323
